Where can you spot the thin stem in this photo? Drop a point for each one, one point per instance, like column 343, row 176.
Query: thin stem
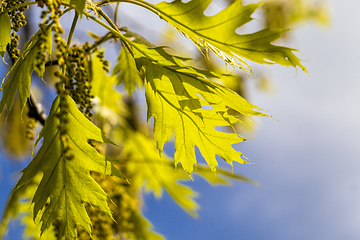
column 112, row 30
column 72, row 29
column 116, row 33
column 116, row 12
column 113, row 25
column 101, row 40
column 106, row 17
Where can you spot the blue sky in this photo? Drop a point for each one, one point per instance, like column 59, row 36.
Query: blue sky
column 307, row 162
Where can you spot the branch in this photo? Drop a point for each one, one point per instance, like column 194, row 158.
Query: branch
column 34, row 110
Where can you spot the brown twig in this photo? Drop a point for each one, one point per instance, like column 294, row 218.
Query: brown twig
column 34, row 110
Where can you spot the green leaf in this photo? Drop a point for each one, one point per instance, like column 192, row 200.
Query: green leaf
column 19, row 207
column 31, row 230
column 183, row 100
column 12, row 209
column 19, row 76
column 143, row 228
column 102, row 87
column 217, row 33
column 136, row 38
column 284, row 14
column 126, row 71
column 66, row 182
column 156, row 173
column 220, row 178
column 5, row 38
column 13, row 130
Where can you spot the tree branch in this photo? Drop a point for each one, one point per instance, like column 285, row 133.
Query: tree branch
column 34, row 110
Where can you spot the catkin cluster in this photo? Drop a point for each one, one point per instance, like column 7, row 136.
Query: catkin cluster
column 42, row 42
column 63, row 116
column 79, row 84
column 104, row 62
column 54, row 12
column 124, row 196
column 74, row 72
column 62, row 58
column 17, row 19
column 30, row 133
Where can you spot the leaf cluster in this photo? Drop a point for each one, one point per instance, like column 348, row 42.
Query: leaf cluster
column 80, row 183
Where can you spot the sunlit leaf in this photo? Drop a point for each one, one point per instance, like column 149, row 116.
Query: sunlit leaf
column 222, row 176
column 5, row 38
column 13, row 132
column 288, row 13
column 13, row 207
column 19, row 207
column 103, row 87
column 156, row 173
column 126, row 71
column 183, row 100
column 19, row 76
column 217, row 33
column 137, row 38
column 66, row 182
column 142, row 228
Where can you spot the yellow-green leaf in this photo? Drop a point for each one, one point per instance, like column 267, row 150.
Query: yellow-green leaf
column 19, row 207
column 126, row 71
column 156, row 173
column 143, row 228
column 5, row 38
column 221, row 177
column 136, row 37
column 66, row 182
column 102, row 87
column 13, row 131
column 217, row 32
column 19, row 76
column 183, row 100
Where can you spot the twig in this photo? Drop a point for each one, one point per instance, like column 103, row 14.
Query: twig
column 34, row 110
column 73, row 25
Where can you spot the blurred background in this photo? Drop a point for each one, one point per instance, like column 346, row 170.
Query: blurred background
column 306, row 161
